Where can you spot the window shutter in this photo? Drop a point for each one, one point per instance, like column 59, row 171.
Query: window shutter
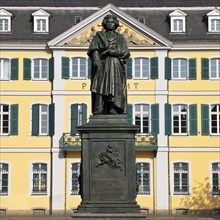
column 167, row 68
column 205, row 68
column 155, row 119
column 129, row 68
column 14, row 120
column 84, row 114
column 74, row 118
column 65, row 68
column 168, row 120
column 193, row 119
column 51, row 68
column 89, row 68
column 205, row 119
column 192, row 69
column 27, row 68
column 35, row 119
column 14, row 69
column 130, row 113
column 51, row 119
column 154, row 68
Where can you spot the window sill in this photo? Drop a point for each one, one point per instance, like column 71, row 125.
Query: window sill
column 179, row 79
column 213, row 32
column 3, row 194
column 214, row 79
column 78, row 78
column 178, row 32
column 39, row 194
column 43, row 32
column 5, row 32
column 41, row 80
column 142, row 78
column 180, row 135
column 5, row 80
column 181, row 194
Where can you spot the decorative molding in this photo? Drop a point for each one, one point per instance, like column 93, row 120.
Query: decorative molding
column 188, row 149
column 25, row 150
column 25, row 93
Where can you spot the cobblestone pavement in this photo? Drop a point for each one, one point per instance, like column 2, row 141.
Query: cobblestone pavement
column 149, row 217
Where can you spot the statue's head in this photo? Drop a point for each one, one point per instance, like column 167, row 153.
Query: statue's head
column 110, row 22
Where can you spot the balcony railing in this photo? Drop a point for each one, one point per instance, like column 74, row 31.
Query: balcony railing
column 69, row 142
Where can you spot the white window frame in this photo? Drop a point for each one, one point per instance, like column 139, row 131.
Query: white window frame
column 40, row 69
column 1, row 115
column 2, row 59
column 41, row 114
column 150, row 178
column 179, row 68
column 78, row 173
column 179, row 116
column 8, row 183
column 189, row 179
column 4, row 22
column 177, row 15
column 7, row 16
column 47, row 181
column 215, row 20
column 78, row 67
column 211, row 179
column 217, row 68
column 210, row 121
column 41, row 15
column 141, row 68
column 141, row 113
column 41, row 25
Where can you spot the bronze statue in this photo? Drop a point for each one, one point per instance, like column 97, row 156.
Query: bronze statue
column 109, row 52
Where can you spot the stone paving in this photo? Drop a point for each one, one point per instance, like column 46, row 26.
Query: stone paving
column 149, row 217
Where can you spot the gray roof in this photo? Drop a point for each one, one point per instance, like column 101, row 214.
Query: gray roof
column 62, row 20
column 102, row 3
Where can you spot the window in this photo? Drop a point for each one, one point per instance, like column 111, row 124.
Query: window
column 43, row 119
column 142, row 118
column 5, row 21
column 41, row 116
column 78, row 116
column 39, row 179
column 77, row 19
column 215, row 68
column 3, row 179
column 215, row 119
column 180, row 119
column 78, row 67
column 143, row 178
column 141, row 19
column 179, row 68
column 215, row 25
column 41, row 25
column 216, row 178
column 4, row 25
column 41, row 21
column 181, row 178
column 4, row 69
column 40, row 69
column 177, row 19
column 75, row 167
column 141, row 68
column 4, row 119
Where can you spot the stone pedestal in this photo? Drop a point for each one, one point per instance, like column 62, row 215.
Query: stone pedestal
column 108, row 173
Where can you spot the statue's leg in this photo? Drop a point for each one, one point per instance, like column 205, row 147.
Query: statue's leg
column 98, row 104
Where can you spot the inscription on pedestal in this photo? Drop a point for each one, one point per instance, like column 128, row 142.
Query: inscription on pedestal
column 108, row 179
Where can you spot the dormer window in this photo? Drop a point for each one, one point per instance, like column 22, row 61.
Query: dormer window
column 214, row 21
column 178, row 21
column 77, row 19
column 41, row 21
column 5, row 21
column 141, row 19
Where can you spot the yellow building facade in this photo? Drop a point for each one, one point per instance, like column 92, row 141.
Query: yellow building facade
column 173, row 95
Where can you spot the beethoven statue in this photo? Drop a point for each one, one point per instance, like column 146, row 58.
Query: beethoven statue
column 108, row 52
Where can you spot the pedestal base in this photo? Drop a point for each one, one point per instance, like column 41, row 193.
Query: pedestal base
column 108, row 172
column 124, row 216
